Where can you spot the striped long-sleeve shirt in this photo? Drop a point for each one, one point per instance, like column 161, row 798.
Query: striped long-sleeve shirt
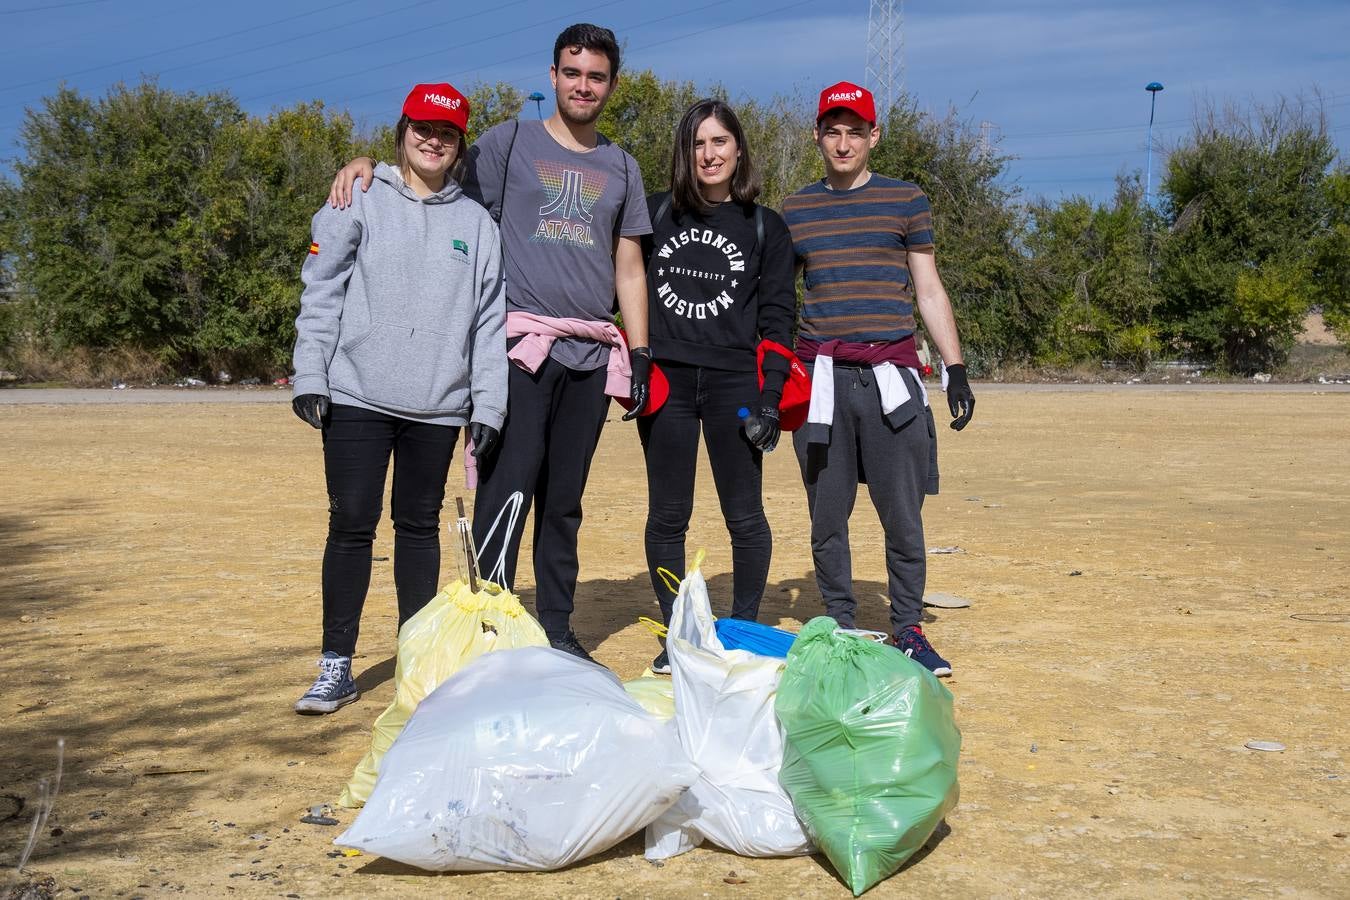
column 854, row 245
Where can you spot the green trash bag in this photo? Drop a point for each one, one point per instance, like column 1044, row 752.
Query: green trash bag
column 870, row 753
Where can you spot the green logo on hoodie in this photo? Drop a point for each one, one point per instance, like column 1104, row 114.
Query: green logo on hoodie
column 462, row 247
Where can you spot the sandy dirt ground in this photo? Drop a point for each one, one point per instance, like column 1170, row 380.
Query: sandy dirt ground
column 1157, row 578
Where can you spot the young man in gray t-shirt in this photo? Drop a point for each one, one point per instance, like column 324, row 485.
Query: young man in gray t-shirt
column 571, row 208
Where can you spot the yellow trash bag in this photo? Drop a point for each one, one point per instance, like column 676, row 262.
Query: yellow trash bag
column 456, row 627
column 653, row 693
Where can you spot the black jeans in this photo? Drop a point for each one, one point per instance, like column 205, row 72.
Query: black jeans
column 553, row 423
column 710, row 398
column 357, row 444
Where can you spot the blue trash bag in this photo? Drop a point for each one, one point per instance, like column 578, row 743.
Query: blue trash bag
column 741, row 634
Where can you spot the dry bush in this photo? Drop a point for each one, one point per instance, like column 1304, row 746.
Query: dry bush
column 85, row 367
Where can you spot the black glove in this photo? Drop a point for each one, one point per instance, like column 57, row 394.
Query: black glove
column 485, row 441
column 311, row 408
column 960, row 400
column 763, row 429
column 640, row 358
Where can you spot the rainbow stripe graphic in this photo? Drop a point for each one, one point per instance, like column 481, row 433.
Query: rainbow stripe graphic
column 571, row 193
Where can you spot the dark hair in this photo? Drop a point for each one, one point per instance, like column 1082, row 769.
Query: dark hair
column 402, row 160
column 684, row 192
column 588, row 37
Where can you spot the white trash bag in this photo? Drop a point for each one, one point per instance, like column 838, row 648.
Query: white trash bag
column 527, row 759
column 724, row 714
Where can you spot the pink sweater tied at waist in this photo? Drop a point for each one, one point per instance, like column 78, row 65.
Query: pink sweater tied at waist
column 537, row 334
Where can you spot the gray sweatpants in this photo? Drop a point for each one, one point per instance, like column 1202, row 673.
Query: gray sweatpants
column 896, row 457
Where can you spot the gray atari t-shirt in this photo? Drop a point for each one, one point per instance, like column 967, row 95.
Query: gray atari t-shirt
column 560, row 213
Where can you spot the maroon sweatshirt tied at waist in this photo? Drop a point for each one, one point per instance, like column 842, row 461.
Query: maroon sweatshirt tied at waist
column 901, row 353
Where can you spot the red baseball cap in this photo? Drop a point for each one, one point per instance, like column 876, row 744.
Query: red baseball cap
column 438, row 103
column 847, row 95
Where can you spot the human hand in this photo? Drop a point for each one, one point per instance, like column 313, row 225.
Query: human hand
column 640, row 358
column 311, row 408
column 768, row 431
column 340, row 194
column 960, row 399
column 763, row 429
column 485, row 441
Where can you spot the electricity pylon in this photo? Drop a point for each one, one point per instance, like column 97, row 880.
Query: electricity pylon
column 886, row 53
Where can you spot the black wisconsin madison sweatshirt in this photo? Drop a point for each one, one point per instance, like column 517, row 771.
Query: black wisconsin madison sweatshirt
column 712, row 291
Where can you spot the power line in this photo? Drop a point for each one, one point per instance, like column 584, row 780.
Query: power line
column 144, row 56
column 306, row 36
column 1079, row 180
column 1164, row 124
column 570, row 16
column 1107, row 153
column 28, row 9
column 648, row 46
column 1084, row 131
column 401, row 36
column 103, row 29
column 404, row 59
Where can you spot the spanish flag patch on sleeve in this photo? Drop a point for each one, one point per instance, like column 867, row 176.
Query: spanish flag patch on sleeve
column 313, row 248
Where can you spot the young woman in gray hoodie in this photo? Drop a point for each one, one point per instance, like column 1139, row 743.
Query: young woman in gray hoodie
column 400, row 343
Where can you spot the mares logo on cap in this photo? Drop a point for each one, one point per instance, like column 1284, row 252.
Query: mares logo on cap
column 847, row 95
column 440, row 100
column 437, row 103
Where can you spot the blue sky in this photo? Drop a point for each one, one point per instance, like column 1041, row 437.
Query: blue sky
column 1062, row 83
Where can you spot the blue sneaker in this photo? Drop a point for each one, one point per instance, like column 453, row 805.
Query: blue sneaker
column 333, row 688
column 661, row 665
column 913, row 644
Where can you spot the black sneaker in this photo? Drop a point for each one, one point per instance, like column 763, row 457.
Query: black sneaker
column 912, row 643
column 661, row 665
column 568, row 643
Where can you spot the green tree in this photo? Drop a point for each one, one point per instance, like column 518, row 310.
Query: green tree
column 779, row 133
column 9, row 319
column 978, row 231
column 1093, row 263
column 263, row 181
column 1331, row 256
column 108, row 201
column 641, row 117
column 492, row 104
column 1246, row 197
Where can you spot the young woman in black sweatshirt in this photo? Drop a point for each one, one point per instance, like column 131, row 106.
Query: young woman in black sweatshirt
column 719, row 280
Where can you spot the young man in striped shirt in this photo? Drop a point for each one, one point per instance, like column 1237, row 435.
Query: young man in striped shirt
column 865, row 245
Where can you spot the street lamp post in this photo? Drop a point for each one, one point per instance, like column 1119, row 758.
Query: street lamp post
column 1152, row 87
column 538, row 98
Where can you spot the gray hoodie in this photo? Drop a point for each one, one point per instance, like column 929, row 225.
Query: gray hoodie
column 404, row 308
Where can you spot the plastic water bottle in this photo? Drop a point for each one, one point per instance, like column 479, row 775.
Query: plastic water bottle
column 754, row 426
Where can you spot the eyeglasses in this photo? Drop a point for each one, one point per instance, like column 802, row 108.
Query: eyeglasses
column 425, row 131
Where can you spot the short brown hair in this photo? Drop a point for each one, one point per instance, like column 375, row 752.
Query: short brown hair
column 589, row 37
